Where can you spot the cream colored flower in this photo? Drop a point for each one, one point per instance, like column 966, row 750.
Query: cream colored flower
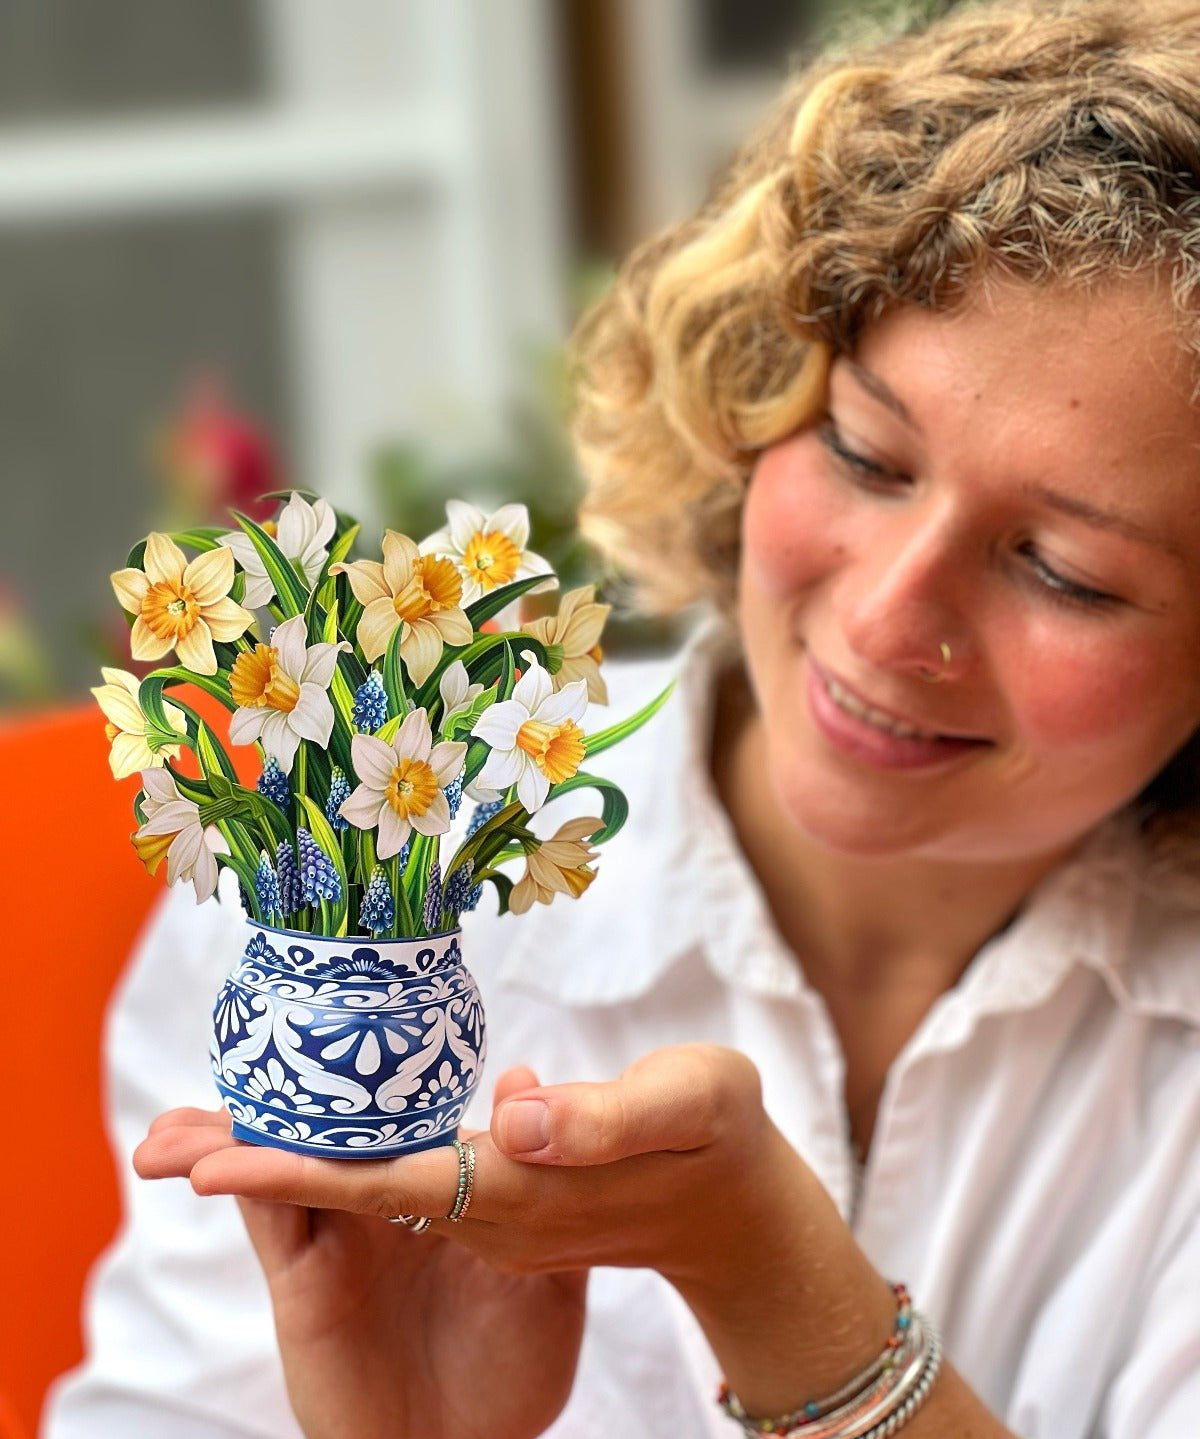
column 180, row 605
column 282, row 692
column 128, row 729
column 402, row 783
column 534, row 737
column 457, row 692
column 576, row 629
column 489, row 550
column 302, row 532
column 421, row 592
column 557, row 866
column 173, row 828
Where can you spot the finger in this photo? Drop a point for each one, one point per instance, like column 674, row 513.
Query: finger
column 217, row 1117
column 512, row 1081
column 170, row 1153
column 280, row 1233
column 678, row 1098
column 424, row 1183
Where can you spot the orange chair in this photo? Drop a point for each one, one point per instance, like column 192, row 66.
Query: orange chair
column 75, row 899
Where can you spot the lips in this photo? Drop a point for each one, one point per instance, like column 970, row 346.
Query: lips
column 893, row 721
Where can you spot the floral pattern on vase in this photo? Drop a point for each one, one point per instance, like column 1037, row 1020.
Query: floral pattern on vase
column 347, row 1047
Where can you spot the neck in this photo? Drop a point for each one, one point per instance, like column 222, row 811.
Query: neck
column 868, row 927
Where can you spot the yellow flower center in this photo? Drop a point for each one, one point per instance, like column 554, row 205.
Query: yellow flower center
column 111, row 732
column 491, row 559
column 270, row 527
column 596, row 653
column 412, row 788
column 257, row 682
column 170, row 610
column 435, row 585
column 578, row 879
column 556, row 749
column 151, row 848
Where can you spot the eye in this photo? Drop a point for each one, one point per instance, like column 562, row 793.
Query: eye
column 857, row 465
column 1062, row 590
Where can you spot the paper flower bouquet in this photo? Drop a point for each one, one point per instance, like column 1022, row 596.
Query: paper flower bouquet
column 380, row 695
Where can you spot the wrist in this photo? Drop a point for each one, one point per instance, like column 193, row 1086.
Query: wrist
column 790, row 1304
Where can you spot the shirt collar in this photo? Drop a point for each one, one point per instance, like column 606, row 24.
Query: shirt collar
column 675, row 883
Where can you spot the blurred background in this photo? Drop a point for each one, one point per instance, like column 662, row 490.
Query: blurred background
column 249, row 244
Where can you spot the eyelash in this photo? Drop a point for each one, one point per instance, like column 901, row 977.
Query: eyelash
column 1055, row 587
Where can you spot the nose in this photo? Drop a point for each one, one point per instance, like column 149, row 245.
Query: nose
column 901, row 601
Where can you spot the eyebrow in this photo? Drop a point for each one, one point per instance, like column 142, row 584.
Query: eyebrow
column 1053, row 499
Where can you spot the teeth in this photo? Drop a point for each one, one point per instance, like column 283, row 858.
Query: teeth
column 853, row 705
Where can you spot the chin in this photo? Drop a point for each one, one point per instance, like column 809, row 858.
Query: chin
column 835, row 817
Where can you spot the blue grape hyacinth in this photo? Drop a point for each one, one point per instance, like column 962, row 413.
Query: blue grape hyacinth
column 273, row 784
column 291, row 890
column 377, row 913
column 454, row 793
column 266, row 887
column 339, row 793
column 318, row 875
column 370, row 710
column 433, row 898
column 483, row 813
column 458, row 887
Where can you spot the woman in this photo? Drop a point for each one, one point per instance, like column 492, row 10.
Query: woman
column 910, row 405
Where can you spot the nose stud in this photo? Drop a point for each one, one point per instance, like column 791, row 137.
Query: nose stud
column 933, row 676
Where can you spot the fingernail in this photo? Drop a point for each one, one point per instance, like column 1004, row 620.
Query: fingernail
column 525, row 1125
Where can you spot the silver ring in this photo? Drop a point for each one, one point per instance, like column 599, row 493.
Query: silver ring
column 417, row 1223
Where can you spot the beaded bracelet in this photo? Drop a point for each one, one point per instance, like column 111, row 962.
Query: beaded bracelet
column 886, row 1388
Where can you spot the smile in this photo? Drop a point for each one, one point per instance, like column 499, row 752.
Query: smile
column 846, row 700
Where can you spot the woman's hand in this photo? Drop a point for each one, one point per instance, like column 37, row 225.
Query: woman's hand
column 383, row 1332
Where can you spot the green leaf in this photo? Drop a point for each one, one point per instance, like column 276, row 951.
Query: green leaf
column 614, row 734
column 333, row 916
column 290, row 591
column 462, row 723
column 492, row 603
column 615, row 809
column 504, row 889
column 211, row 753
column 393, row 677
column 325, row 589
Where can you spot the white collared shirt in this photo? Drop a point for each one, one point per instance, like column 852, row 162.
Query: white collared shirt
column 1034, row 1174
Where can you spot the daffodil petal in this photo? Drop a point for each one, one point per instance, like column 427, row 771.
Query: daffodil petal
column 312, row 717
column 296, row 525
column 522, row 896
column 436, row 819
column 501, row 769
column 462, row 522
column 280, row 740
column 164, row 561
column 227, row 620
column 532, row 788
column 534, row 686
column 210, row 575
column 414, row 737
column 172, row 817
column 375, row 628
column 373, row 760
column 363, row 807
column 513, row 521
column 129, row 755
column 130, row 588
column 246, row 724
column 204, row 874
column 393, row 831
column 453, row 685
column 121, row 708
column 195, row 649
column 291, row 642
column 184, row 852
column 453, row 626
column 568, row 703
column 366, row 580
column 446, row 759
column 399, row 556
column 420, row 649
column 160, row 786
column 321, row 662
column 497, row 726
column 144, row 644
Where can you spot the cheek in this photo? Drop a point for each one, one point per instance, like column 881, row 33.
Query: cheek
column 789, row 524
column 1085, row 695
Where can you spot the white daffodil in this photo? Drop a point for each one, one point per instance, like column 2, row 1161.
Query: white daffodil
column 456, row 691
column 128, row 729
column 282, row 692
column 535, row 737
column 489, row 550
column 423, row 593
column 402, row 782
column 181, row 605
column 302, row 532
column 557, row 866
column 576, row 629
column 173, row 828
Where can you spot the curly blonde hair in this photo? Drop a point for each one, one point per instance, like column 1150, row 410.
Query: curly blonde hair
column 1046, row 140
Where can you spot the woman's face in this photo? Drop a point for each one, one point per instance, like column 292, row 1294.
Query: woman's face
column 1019, row 481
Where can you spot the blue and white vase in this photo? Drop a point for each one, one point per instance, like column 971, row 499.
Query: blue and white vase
column 347, row 1048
